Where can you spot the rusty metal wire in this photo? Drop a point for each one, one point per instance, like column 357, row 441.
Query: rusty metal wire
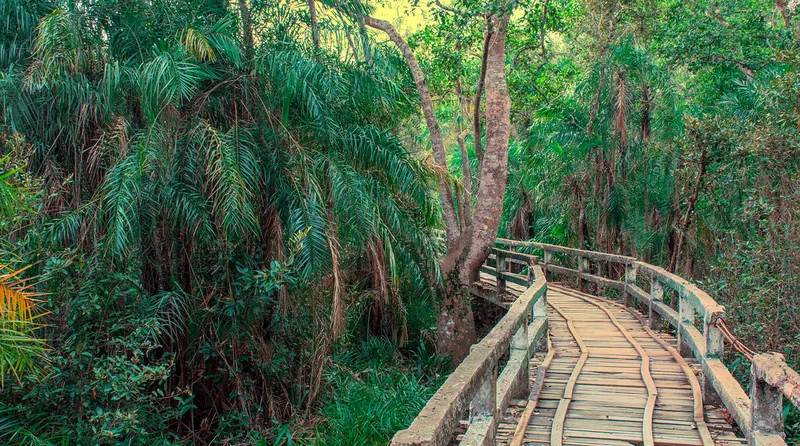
column 733, row 340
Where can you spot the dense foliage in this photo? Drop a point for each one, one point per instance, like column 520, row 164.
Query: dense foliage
column 203, row 218
column 663, row 130
column 216, row 217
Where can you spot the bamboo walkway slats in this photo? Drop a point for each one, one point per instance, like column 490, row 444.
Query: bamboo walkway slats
column 633, row 391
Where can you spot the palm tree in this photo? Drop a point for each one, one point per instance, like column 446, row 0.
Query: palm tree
column 222, row 198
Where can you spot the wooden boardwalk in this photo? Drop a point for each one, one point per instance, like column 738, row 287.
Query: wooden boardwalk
column 562, row 367
column 609, row 381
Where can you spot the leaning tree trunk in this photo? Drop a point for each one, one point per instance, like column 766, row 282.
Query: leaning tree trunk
column 466, row 255
column 476, row 115
column 468, row 247
column 312, row 12
column 437, row 142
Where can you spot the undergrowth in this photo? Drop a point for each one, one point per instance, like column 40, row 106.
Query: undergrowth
column 376, row 390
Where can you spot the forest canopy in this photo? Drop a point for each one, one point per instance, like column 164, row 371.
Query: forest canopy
column 220, row 222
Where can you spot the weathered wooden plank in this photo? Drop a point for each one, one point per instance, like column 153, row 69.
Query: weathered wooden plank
column 557, row 429
column 519, row 433
column 615, row 258
column 639, row 294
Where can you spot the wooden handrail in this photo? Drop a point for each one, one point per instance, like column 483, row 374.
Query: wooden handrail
column 477, row 388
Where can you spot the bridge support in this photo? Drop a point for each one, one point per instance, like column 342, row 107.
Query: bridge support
column 483, row 412
column 548, row 259
column 630, row 279
column 501, row 268
column 583, row 266
column 519, row 349
column 686, row 316
column 531, row 274
column 766, row 410
column 714, row 347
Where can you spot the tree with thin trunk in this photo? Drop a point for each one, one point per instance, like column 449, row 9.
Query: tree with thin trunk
column 312, row 12
column 247, row 26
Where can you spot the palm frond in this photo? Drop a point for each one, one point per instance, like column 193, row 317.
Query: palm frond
column 20, row 351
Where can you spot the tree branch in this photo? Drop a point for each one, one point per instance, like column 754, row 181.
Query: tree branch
column 449, row 9
column 476, row 116
column 437, row 142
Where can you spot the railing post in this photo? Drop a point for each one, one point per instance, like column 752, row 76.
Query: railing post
column 500, row 269
column 714, row 348
column 540, row 311
column 519, row 345
column 531, row 275
column 685, row 315
column 583, row 265
column 483, row 408
column 548, row 259
column 510, row 267
column 766, row 406
column 630, row 279
column 656, row 295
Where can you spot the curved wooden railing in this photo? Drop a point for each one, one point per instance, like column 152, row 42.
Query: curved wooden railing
column 476, row 391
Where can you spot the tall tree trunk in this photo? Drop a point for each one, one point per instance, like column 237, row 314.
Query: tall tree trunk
column 465, row 211
column 579, row 194
column 621, row 121
column 519, row 228
column 645, row 137
column 464, row 258
column 312, row 12
column 595, row 107
column 542, row 31
column 437, row 142
column 646, row 104
column 467, row 249
column 494, row 167
column 465, row 203
column 247, row 27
